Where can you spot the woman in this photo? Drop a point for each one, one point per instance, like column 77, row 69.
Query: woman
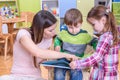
column 30, row 48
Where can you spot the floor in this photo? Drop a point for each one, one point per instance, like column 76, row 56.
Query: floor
column 5, row 66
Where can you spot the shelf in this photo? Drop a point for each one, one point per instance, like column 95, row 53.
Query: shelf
column 6, row 0
column 51, row 5
column 9, row 8
column 115, row 2
column 50, row 0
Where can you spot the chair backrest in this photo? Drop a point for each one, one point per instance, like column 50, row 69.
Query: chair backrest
column 29, row 17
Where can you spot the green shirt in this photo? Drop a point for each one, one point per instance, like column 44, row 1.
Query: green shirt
column 73, row 43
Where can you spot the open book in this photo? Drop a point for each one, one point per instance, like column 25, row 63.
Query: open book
column 60, row 63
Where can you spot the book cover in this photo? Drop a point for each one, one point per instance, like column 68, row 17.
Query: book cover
column 60, row 63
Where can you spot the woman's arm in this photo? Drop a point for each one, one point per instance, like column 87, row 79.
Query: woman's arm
column 33, row 49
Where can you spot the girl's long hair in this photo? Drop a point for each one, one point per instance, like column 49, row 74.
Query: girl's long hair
column 97, row 13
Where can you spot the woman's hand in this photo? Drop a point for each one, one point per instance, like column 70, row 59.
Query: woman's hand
column 71, row 57
column 72, row 65
column 57, row 48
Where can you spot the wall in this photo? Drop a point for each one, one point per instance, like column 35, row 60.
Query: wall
column 29, row 5
column 84, row 6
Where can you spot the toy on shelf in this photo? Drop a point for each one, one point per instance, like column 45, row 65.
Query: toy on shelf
column 51, row 6
column 8, row 12
column 45, row 6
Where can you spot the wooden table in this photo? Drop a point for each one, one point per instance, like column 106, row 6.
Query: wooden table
column 11, row 21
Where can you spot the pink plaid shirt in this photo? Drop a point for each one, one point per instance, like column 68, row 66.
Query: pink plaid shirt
column 104, row 60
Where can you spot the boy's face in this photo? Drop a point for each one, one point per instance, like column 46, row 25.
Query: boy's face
column 74, row 29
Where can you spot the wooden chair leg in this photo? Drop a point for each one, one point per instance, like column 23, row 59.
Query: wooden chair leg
column 51, row 74
column 5, row 49
column 11, row 43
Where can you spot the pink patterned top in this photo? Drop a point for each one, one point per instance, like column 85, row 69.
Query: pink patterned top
column 23, row 64
column 104, row 60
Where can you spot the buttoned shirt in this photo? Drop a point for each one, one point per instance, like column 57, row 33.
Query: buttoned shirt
column 104, row 60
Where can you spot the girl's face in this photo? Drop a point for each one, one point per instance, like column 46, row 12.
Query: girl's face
column 74, row 29
column 50, row 31
column 97, row 25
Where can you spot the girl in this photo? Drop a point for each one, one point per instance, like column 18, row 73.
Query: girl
column 105, row 58
column 30, row 48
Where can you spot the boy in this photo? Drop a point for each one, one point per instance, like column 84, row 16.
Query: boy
column 73, row 40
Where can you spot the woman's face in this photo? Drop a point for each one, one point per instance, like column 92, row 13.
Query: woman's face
column 97, row 25
column 50, row 31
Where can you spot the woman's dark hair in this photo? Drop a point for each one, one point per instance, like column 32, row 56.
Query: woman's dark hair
column 43, row 19
column 97, row 13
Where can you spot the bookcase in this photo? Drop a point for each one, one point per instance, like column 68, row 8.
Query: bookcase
column 51, row 5
column 9, row 8
column 59, row 7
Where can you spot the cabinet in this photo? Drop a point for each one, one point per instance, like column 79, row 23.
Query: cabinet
column 58, row 8
column 51, row 5
column 8, row 8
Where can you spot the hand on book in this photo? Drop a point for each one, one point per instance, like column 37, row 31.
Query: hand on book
column 72, row 65
column 72, row 57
